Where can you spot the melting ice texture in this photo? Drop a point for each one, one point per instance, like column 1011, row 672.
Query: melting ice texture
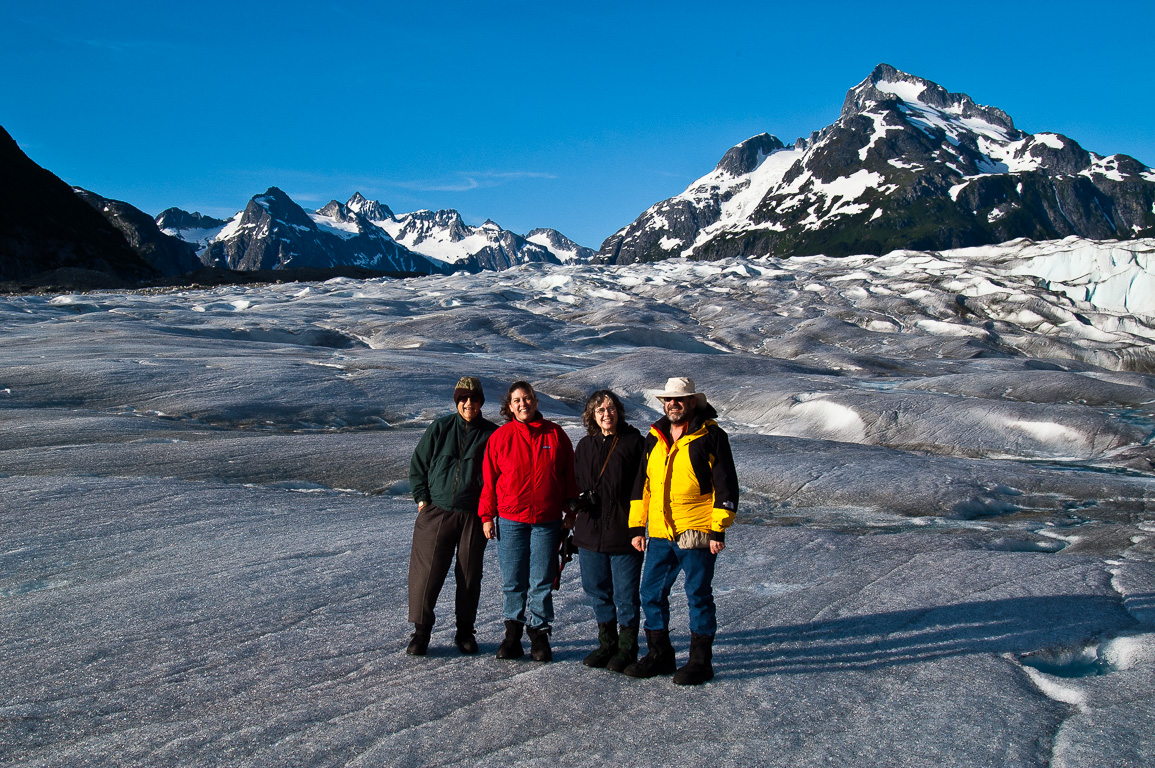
column 946, row 471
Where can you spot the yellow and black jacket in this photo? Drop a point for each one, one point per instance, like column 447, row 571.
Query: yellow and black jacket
column 690, row 483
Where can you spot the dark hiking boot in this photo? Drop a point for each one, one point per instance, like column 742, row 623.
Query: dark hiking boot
column 607, row 646
column 419, row 643
column 510, row 647
column 698, row 670
column 539, row 649
column 627, row 651
column 466, row 642
column 659, row 658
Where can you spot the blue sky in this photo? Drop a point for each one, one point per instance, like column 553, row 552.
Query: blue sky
column 571, row 116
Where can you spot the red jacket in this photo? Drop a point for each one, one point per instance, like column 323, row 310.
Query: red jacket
column 527, row 475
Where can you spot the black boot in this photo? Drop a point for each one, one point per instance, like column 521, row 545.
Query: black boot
column 659, row 658
column 627, row 651
column 607, row 645
column 465, row 640
column 698, row 670
column 539, row 649
column 419, row 643
column 510, row 647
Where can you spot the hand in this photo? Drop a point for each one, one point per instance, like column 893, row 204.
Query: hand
column 639, row 543
column 716, row 547
column 489, row 529
column 568, row 521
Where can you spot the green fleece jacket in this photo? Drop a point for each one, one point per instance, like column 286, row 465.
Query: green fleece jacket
column 446, row 465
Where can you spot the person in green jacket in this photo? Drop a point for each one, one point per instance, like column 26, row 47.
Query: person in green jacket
column 445, row 477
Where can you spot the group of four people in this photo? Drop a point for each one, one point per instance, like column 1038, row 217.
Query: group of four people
column 665, row 500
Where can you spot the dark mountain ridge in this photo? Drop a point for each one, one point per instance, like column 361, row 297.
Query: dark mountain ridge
column 45, row 226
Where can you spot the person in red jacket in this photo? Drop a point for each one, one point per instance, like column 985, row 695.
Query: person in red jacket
column 527, row 489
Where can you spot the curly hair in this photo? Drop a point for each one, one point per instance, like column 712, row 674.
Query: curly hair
column 589, row 418
column 506, row 411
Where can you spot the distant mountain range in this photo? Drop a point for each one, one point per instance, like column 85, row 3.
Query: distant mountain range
column 74, row 236
column 906, row 165
column 273, row 232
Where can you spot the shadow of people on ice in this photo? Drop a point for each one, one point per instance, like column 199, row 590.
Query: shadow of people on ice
column 874, row 641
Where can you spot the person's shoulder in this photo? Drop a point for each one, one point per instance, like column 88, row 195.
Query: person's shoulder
column 630, row 434
column 627, row 429
column 441, row 423
column 712, row 428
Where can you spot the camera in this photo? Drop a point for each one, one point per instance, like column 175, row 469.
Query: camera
column 589, row 500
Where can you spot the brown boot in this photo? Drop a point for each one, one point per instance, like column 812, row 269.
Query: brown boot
column 539, row 649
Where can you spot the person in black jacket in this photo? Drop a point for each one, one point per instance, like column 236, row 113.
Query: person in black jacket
column 607, row 460
column 445, row 477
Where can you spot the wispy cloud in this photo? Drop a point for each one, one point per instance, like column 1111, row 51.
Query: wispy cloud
column 464, row 182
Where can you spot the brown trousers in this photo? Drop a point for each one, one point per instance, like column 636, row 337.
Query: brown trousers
column 436, row 535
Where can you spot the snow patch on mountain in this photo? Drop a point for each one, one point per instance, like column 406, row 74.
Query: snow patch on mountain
column 346, row 230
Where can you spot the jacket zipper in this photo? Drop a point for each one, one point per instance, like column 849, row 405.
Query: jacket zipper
column 460, row 458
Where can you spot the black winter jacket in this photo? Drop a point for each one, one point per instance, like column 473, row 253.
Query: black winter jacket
column 606, row 528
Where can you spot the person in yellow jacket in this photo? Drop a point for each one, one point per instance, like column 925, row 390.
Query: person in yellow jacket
column 685, row 497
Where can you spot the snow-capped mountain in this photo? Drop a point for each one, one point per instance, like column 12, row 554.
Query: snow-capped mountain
column 273, row 232
column 906, row 165
column 194, row 228
column 444, row 236
column 566, row 250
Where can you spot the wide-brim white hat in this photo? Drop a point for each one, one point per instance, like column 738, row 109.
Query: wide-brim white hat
column 681, row 386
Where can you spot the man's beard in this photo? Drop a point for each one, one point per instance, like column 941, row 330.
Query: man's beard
column 679, row 417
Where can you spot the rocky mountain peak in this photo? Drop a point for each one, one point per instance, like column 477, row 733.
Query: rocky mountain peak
column 177, row 219
column 886, row 86
column 370, row 209
column 746, row 156
column 560, row 245
column 337, row 211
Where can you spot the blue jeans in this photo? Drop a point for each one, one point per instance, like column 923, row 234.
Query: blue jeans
column 527, row 553
column 611, row 583
column 664, row 559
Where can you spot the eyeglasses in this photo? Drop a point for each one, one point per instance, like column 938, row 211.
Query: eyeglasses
column 605, row 410
column 683, row 399
column 472, row 398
